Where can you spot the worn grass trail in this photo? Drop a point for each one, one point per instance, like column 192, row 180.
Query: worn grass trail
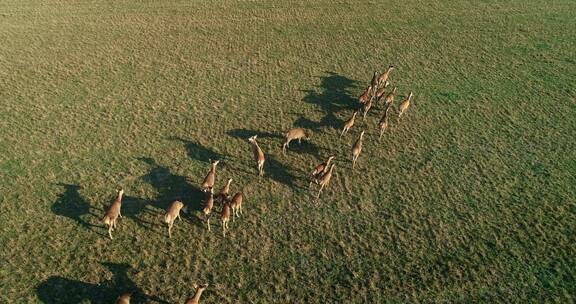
column 470, row 198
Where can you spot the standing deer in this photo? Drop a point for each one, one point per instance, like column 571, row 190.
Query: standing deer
column 196, row 298
column 225, row 216
column 384, row 77
column 320, row 170
column 383, row 124
column 236, row 205
column 296, row 133
column 124, row 298
column 348, row 124
column 404, row 104
column 113, row 213
column 210, row 177
column 389, row 99
column 223, row 194
column 172, row 213
column 207, row 211
column 325, row 180
column 365, row 96
column 356, row 149
column 258, row 155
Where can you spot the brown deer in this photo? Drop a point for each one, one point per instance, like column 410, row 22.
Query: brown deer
column 366, row 107
column 383, row 124
column 348, row 124
column 374, row 82
column 365, row 96
column 258, row 155
column 196, row 298
column 296, row 133
column 325, row 180
column 384, row 77
column 381, row 90
column 113, row 213
column 320, row 170
column 389, row 99
column 210, row 177
column 172, row 213
column 404, row 105
column 207, row 211
column 225, row 216
column 236, row 205
column 356, row 149
column 224, row 192
column 124, row 298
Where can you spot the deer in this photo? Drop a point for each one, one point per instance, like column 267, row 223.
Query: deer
column 366, row 107
column 383, row 124
column 172, row 213
column 356, row 149
column 225, row 216
column 296, row 133
column 389, row 99
column 381, row 90
column 325, row 180
column 210, row 177
column 223, row 194
column 196, row 298
column 348, row 124
column 124, row 298
column 384, row 77
column 404, row 105
column 366, row 95
column 113, row 213
column 258, row 155
column 236, row 205
column 374, row 82
column 207, row 211
column 320, row 170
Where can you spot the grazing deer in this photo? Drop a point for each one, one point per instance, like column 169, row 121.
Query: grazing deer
column 225, row 216
column 383, row 124
column 384, row 77
column 236, row 205
column 348, row 124
column 405, row 104
column 381, row 90
column 258, row 155
column 172, row 213
column 210, row 177
column 296, row 133
column 113, row 213
column 320, row 170
column 366, row 95
column 223, row 194
column 196, row 298
column 207, row 211
column 124, row 298
column 325, row 180
column 389, row 99
column 356, row 149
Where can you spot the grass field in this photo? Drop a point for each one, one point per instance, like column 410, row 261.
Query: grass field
column 470, row 198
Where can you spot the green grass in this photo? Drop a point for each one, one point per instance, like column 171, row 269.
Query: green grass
column 471, row 198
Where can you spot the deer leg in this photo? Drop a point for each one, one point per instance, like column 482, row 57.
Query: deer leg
column 110, row 231
column 170, row 230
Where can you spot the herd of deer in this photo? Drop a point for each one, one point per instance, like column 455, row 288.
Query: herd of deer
column 321, row 175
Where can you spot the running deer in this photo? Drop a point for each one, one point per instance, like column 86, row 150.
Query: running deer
column 374, row 82
column 172, row 213
column 380, row 92
column 258, row 155
column 113, row 213
column 348, row 124
column 196, row 298
column 224, row 192
column 225, row 216
column 383, row 124
column 207, row 211
column 210, row 177
column 366, row 95
column 325, row 180
column 296, row 133
column 389, row 99
column 405, row 104
column 356, row 149
column 384, row 77
column 236, row 205
column 366, row 107
column 124, row 298
column 320, row 170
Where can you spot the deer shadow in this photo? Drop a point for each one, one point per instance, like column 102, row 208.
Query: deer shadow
column 71, row 205
column 198, row 152
column 245, row 134
column 333, row 96
column 279, row 172
column 57, row 289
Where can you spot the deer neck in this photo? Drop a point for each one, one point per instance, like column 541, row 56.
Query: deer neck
column 197, row 295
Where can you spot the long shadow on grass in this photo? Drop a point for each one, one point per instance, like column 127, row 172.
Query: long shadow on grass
column 198, row 152
column 57, row 289
column 334, row 95
column 279, row 172
column 245, row 134
column 71, row 204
